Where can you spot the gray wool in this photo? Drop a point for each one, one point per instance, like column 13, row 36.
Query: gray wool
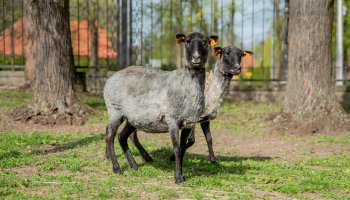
column 216, row 87
column 151, row 99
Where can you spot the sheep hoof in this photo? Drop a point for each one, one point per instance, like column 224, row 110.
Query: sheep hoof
column 107, row 156
column 214, row 160
column 117, row 170
column 135, row 167
column 149, row 159
column 179, row 179
column 172, row 158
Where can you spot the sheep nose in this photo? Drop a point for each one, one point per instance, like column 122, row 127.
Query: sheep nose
column 237, row 66
column 196, row 55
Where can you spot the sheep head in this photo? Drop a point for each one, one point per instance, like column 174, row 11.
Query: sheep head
column 229, row 61
column 196, row 48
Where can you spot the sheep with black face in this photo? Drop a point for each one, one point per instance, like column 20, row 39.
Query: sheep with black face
column 217, row 83
column 218, row 80
column 158, row 101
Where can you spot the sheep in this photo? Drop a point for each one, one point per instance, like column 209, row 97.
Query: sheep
column 158, row 101
column 217, row 82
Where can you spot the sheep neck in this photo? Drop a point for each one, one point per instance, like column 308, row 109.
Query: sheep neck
column 217, row 85
column 193, row 103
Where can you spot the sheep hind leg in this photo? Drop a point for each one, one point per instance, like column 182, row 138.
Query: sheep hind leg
column 107, row 155
column 113, row 125
column 142, row 150
column 123, row 140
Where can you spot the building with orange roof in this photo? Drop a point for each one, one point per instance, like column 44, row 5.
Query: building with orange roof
column 78, row 30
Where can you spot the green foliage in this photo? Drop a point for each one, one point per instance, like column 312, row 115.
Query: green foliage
column 7, row 60
column 162, row 39
column 7, row 12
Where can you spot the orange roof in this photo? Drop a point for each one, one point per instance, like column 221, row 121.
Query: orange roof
column 248, row 61
column 84, row 34
column 17, row 40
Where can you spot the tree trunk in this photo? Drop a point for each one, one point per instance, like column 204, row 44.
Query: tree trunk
column 29, row 69
column 278, row 39
column 93, row 38
column 124, row 35
column 93, row 29
column 284, row 61
column 310, row 104
column 178, row 29
column 51, row 54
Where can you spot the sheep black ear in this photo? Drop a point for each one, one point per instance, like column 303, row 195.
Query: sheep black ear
column 217, row 51
column 180, row 38
column 245, row 52
column 213, row 40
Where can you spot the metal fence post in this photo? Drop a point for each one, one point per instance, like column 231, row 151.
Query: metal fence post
column 339, row 64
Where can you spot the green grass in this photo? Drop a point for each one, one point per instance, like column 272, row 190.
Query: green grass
column 12, row 99
column 76, row 168
column 70, row 165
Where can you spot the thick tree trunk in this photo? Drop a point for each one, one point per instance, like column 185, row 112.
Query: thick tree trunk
column 310, row 104
column 51, row 54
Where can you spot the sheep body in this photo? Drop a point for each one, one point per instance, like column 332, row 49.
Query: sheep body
column 158, row 101
column 149, row 98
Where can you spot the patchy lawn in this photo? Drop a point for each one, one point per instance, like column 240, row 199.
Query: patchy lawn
column 67, row 161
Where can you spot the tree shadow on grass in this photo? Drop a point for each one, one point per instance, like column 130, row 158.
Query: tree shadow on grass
column 346, row 106
column 69, row 145
column 10, row 154
column 46, row 149
column 199, row 165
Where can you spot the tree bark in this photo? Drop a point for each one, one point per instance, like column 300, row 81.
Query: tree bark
column 278, row 39
column 93, row 29
column 284, row 61
column 178, row 29
column 51, row 54
column 310, row 104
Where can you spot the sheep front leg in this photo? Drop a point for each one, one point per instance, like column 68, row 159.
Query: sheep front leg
column 174, row 133
column 190, row 141
column 183, row 142
column 206, row 130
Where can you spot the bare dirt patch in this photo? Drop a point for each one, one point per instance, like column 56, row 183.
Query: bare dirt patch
column 25, row 170
column 294, row 148
column 331, row 123
column 28, row 115
column 8, row 123
column 262, row 194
